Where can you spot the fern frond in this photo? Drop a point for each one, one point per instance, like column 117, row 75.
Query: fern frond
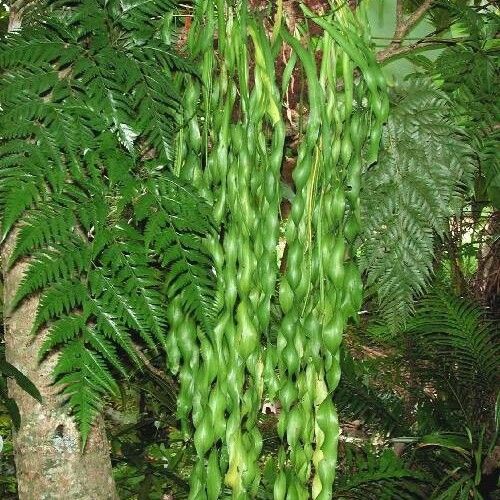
column 120, row 302
column 61, row 332
column 154, row 100
column 141, row 283
column 59, row 300
column 106, row 350
column 469, row 74
column 144, row 16
column 424, row 169
column 455, row 333
column 85, row 91
column 86, row 380
column 179, row 249
column 37, row 48
column 383, row 477
column 17, row 202
column 113, row 327
column 49, row 266
column 42, row 227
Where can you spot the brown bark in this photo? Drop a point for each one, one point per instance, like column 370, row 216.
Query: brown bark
column 49, row 461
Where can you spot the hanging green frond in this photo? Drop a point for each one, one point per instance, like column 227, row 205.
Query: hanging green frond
column 86, row 380
column 423, row 171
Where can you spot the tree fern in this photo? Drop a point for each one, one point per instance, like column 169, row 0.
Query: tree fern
column 89, row 116
column 418, row 183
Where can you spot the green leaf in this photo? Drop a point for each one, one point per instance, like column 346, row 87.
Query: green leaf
column 8, row 370
column 452, row 441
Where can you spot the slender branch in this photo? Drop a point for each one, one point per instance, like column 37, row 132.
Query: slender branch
column 429, row 38
column 398, row 51
column 16, row 12
column 156, row 372
column 403, row 27
column 426, row 43
column 414, row 18
column 399, row 19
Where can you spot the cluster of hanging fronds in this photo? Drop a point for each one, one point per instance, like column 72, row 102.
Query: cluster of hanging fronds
column 115, row 241
column 232, row 149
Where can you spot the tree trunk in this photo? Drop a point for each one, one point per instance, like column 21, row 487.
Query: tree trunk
column 49, row 461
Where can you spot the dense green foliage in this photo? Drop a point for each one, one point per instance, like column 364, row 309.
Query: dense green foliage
column 439, row 146
column 88, row 124
column 434, row 385
column 468, row 72
column 145, row 193
column 235, row 158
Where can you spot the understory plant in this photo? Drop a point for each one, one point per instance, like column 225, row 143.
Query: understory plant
column 430, row 392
